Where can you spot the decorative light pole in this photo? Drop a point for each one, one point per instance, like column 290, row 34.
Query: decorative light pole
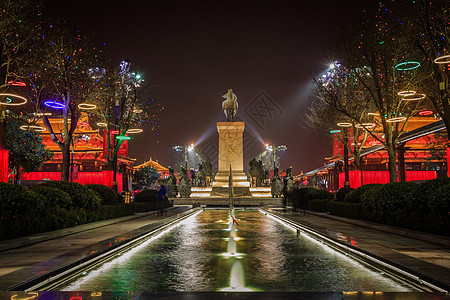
column 274, row 150
column 345, row 125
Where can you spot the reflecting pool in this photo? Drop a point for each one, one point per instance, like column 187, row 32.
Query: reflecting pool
column 268, row 256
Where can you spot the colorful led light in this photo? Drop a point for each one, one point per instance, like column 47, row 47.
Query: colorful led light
column 87, row 106
column 32, row 127
column 407, row 65
column 7, row 99
column 415, row 97
column 335, row 131
column 344, row 124
column 406, row 93
column 114, row 131
column 445, row 59
column 42, row 114
column 135, row 130
column 366, row 125
column 122, row 137
column 396, row 120
column 426, row 112
column 54, row 104
column 17, row 83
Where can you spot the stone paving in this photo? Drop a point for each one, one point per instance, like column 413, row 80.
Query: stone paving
column 429, row 258
column 19, row 258
column 432, row 259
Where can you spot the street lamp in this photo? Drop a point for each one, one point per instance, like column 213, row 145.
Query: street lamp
column 274, row 150
column 186, row 149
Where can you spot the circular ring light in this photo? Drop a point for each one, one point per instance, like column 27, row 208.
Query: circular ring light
column 344, row 124
column 366, row 125
column 415, row 97
column 114, row 131
column 54, row 104
column 102, row 124
column 406, row 93
column 17, row 83
column 87, row 106
column 122, row 137
column 407, row 65
column 8, row 99
column 426, row 112
column 443, row 59
column 396, row 120
column 32, row 127
column 135, row 130
column 137, row 111
column 373, row 114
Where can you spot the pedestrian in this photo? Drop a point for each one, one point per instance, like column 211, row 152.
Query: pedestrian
column 162, row 196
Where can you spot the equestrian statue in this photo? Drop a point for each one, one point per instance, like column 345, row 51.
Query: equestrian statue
column 230, row 105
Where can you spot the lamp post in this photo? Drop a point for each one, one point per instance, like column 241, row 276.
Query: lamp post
column 345, row 125
column 274, row 150
column 186, row 150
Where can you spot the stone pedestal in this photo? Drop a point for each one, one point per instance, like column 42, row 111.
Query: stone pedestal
column 231, row 153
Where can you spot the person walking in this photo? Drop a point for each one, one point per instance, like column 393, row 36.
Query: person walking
column 162, row 196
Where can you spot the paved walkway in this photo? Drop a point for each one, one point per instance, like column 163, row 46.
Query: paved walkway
column 25, row 256
column 429, row 258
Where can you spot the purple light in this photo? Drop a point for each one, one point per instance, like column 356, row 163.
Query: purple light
column 54, row 104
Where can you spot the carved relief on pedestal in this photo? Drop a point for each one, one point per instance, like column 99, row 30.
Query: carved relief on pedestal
column 230, row 146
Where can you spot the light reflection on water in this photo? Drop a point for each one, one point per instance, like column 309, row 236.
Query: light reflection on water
column 188, row 258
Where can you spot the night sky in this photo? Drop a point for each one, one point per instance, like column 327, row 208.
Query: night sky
column 193, row 51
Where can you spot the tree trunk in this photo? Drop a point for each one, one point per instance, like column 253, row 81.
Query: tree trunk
column 392, row 164
column 65, row 167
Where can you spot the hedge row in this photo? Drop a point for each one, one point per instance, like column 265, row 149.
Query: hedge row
column 55, row 205
column 424, row 206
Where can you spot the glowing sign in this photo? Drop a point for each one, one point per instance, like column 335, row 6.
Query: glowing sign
column 344, row 124
column 426, row 112
column 86, row 106
column 395, row 120
column 8, row 99
column 135, row 130
column 406, row 93
column 32, row 127
column 54, row 104
column 443, row 59
column 407, row 65
column 17, row 83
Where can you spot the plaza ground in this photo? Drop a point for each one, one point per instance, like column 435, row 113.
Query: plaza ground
column 21, row 261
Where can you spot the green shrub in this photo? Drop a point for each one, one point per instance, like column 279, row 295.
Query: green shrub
column 16, row 200
column 107, row 194
column 422, row 194
column 346, row 210
column 355, row 196
column 439, row 202
column 55, row 218
column 340, row 195
column 146, row 196
column 82, row 197
column 300, row 197
column 319, row 205
column 386, row 202
column 53, row 196
column 141, row 207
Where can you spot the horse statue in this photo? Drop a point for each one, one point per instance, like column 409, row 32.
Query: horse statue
column 230, row 105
